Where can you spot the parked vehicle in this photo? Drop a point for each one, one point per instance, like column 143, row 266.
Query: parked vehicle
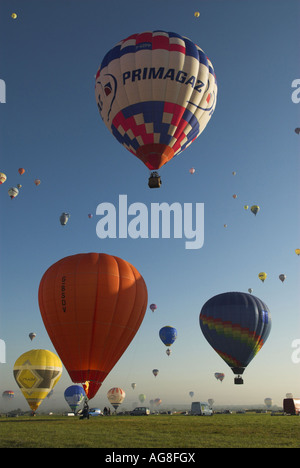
column 291, row 406
column 95, row 412
column 201, row 409
column 140, row 411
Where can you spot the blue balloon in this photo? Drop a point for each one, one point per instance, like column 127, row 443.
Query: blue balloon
column 236, row 325
column 74, row 395
column 168, row 335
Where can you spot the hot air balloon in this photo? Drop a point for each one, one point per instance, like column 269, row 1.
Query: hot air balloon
column 2, row 178
column 92, row 305
column 219, row 376
column 246, row 207
column 191, row 394
column 8, row 394
column 168, row 335
column 234, row 196
column 297, row 251
column 282, row 277
column 197, row 14
column 168, row 352
column 74, row 396
column 156, row 92
column 64, row 218
column 153, row 307
column 268, row 402
column 297, row 130
column 32, row 335
column 37, row 372
column 133, row 385
column 13, row 192
column 116, row 397
column 90, row 215
column 37, row 182
column 157, row 401
column 236, row 325
column 142, row 397
column 192, row 170
column 211, row 402
column 289, row 395
column 233, row 173
column 255, row 209
column 155, row 372
column 21, row 170
column 262, row 276
column 19, row 186
column 250, row 290
column 14, row 15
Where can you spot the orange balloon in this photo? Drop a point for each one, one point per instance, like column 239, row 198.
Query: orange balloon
column 21, row 171
column 92, row 305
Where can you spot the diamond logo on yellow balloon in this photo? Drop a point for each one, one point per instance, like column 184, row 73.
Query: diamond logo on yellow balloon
column 28, row 378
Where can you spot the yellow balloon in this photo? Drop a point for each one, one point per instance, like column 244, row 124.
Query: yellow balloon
column 262, row 276
column 297, row 251
column 37, row 372
column 2, row 178
column 197, row 14
column 246, row 207
column 14, row 15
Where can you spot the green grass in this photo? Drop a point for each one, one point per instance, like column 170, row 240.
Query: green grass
column 155, row 431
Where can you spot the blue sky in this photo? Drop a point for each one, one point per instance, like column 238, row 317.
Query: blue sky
column 50, row 126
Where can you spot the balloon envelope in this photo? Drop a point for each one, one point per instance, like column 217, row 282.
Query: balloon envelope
column 116, row 396
column 8, row 394
column 262, row 276
column 21, row 171
column 236, row 325
column 64, row 218
column 142, row 397
column 153, row 307
column 255, row 209
column 168, row 335
column 32, row 335
column 282, row 277
column 2, row 178
column 13, row 192
column 155, row 372
column 36, row 373
column 219, row 376
column 156, row 92
column 74, row 396
column 92, row 305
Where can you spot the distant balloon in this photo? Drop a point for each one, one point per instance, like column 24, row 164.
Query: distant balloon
column 289, row 395
column 246, row 207
column 168, row 351
column 21, row 170
column 19, row 186
column 157, row 401
column 255, row 209
column 268, row 402
column 219, row 376
column 211, row 402
column 74, row 396
column 142, row 397
column 197, row 14
column 155, row 372
column 133, row 385
column 234, row 196
column 262, row 276
column 90, row 215
column 116, row 397
column 191, row 394
column 13, row 192
column 225, row 225
column 32, row 335
column 153, row 307
column 236, row 325
column 8, row 395
column 282, row 277
column 192, row 170
column 234, row 173
column 2, row 178
column 64, row 218
column 14, row 15
column 250, row 290
column 297, row 130
column 168, row 335
column 297, row 251
column 37, row 372
column 37, row 182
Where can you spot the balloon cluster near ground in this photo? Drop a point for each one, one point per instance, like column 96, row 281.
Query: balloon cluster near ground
column 180, row 108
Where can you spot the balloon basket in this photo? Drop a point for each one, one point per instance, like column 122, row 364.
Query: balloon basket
column 238, row 380
column 154, row 180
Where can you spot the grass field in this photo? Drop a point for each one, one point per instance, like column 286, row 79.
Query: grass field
column 155, row 431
